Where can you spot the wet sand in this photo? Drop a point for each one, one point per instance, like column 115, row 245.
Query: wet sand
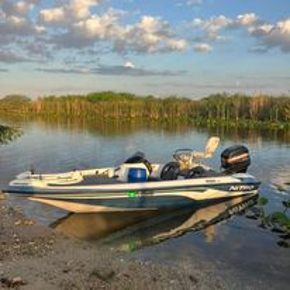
column 33, row 256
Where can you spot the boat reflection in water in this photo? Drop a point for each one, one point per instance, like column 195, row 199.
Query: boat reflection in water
column 130, row 231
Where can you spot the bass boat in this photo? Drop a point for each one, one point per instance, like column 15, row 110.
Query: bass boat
column 138, row 184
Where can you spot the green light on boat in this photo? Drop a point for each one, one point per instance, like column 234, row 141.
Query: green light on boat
column 132, row 194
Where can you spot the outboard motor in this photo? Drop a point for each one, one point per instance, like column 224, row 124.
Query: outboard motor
column 235, row 159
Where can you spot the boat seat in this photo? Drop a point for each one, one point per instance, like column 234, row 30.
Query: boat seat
column 210, row 148
column 170, row 171
column 200, row 171
column 139, row 157
column 187, row 158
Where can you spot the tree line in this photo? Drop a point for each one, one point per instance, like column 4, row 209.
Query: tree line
column 216, row 107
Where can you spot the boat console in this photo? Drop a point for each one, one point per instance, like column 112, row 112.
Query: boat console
column 186, row 164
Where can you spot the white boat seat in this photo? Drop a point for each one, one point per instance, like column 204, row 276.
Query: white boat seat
column 210, row 148
column 188, row 158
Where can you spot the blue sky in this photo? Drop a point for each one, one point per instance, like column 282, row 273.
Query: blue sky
column 180, row 47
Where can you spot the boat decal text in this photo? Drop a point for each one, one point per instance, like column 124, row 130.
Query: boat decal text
column 241, row 187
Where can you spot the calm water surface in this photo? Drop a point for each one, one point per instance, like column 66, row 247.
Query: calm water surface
column 175, row 238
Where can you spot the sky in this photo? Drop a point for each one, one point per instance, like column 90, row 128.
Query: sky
column 187, row 48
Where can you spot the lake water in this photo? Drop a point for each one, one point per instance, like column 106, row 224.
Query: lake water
column 178, row 238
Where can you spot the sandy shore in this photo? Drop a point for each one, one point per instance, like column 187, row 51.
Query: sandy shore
column 33, row 256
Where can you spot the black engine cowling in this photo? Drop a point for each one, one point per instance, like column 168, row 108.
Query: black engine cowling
column 235, row 159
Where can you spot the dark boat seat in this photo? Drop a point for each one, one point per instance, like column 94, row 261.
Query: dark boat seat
column 170, row 171
column 139, row 157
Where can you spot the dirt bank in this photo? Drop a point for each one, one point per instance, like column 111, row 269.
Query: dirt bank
column 33, row 256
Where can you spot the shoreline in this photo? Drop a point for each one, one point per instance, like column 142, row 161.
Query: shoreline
column 242, row 123
column 33, row 256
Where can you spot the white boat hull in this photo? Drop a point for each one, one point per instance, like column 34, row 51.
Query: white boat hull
column 69, row 192
column 91, row 205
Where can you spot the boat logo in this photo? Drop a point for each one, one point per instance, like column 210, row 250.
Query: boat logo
column 210, row 181
column 241, row 187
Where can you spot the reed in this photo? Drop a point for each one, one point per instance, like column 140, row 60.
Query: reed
column 232, row 110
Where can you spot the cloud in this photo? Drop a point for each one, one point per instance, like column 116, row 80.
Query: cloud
column 47, row 30
column 129, row 64
column 258, row 49
column 271, row 36
column 203, row 48
column 71, row 10
column 193, row 2
column 15, row 21
column 20, row 8
column 212, row 26
column 80, row 28
column 260, row 30
column 113, row 71
column 149, row 35
column 11, row 57
column 215, row 24
column 19, row 26
column 190, row 3
column 89, row 31
column 81, row 8
column 38, row 49
column 54, row 15
column 268, row 35
column 247, row 19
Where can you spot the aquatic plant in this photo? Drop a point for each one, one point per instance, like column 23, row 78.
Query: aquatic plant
column 277, row 221
column 8, row 134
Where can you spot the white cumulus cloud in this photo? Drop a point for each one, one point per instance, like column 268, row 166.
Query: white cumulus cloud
column 10, row 7
column 202, row 47
column 247, row 19
column 216, row 24
column 150, row 34
column 129, row 64
column 54, row 15
column 277, row 35
column 70, row 11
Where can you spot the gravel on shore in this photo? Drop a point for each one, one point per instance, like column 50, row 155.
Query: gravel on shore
column 2, row 195
column 33, row 256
